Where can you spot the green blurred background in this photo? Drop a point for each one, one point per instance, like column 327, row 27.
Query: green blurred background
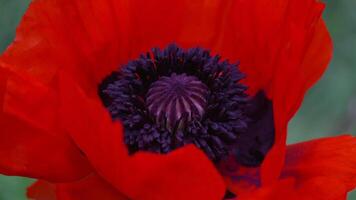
column 328, row 109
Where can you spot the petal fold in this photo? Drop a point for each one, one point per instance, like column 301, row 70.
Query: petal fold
column 328, row 158
column 281, row 50
column 91, row 187
column 303, row 57
column 143, row 175
column 321, row 169
column 82, row 37
column 30, row 143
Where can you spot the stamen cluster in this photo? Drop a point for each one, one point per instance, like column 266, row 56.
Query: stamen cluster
column 207, row 95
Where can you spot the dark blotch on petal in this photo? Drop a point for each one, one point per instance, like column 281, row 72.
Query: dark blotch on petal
column 252, row 146
column 229, row 195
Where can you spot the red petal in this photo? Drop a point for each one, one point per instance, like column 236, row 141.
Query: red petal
column 82, row 37
column 91, row 38
column 315, row 189
column 332, row 158
column 315, row 170
column 187, row 23
column 30, row 145
column 90, row 188
column 281, row 50
column 319, row 188
column 99, row 35
column 144, row 175
column 281, row 190
column 257, row 33
column 300, row 64
column 42, row 190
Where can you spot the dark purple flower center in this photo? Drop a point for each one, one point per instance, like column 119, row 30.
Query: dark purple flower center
column 180, row 97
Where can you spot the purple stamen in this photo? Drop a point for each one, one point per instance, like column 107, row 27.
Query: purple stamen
column 178, row 97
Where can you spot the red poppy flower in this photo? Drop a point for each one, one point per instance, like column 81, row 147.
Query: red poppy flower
column 177, row 123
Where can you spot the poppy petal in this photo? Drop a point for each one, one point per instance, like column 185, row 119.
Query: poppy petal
column 255, row 33
column 100, row 35
column 314, row 170
column 42, row 190
column 332, row 158
column 82, row 37
column 89, row 39
column 320, row 188
column 184, row 22
column 143, row 175
column 299, row 65
column 27, row 130
column 90, row 188
column 281, row 51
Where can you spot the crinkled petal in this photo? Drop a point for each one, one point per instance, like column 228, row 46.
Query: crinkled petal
column 313, row 189
column 86, row 38
column 143, row 175
column 30, row 145
column 299, row 64
column 91, row 38
column 322, row 169
column 281, row 50
column 332, row 158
